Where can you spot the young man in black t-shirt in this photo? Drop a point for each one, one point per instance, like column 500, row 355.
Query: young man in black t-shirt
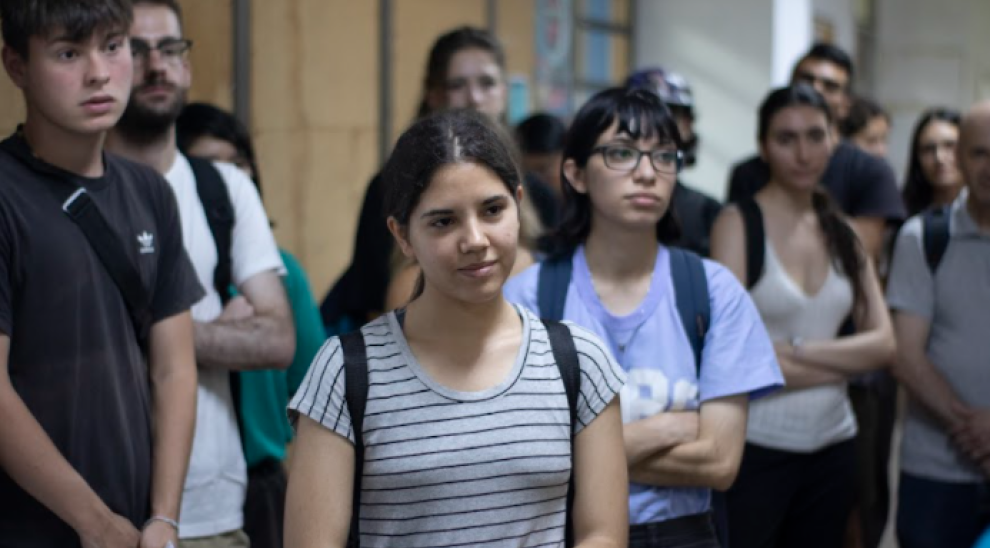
column 96, row 426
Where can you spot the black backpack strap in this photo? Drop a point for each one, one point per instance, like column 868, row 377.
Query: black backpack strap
column 935, row 235
column 693, row 305
column 565, row 355
column 755, row 240
column 356, row 398
column 551, row 289
column 219, row 211
column 106, row 243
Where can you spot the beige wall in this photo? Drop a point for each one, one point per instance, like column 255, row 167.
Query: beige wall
column 314, row 106
column 314, row 116
column 314, row 100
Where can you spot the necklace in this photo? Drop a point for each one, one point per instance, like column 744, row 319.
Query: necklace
column 625, row 344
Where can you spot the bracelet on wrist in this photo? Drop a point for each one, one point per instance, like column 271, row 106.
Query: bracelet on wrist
column 163, row 519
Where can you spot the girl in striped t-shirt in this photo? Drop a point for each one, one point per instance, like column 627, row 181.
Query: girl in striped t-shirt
column 467, row 431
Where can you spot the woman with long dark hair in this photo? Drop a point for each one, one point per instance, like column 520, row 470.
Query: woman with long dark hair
column 796, row 482
column 932, row 177
column 684, row 407
column 469, row 436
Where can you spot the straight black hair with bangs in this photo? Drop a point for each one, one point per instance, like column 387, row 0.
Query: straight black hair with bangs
column 640, row 114
column 77, row 20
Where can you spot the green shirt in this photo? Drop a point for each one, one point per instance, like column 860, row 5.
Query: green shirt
column 264, row 394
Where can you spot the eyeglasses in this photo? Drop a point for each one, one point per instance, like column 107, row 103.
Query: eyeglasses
column 627, row 158
column 171, row 50
column 828, row 85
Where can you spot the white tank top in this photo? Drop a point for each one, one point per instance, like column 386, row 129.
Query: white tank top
column 807, row 419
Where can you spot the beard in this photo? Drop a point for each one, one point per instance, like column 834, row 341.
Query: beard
column 146, row 123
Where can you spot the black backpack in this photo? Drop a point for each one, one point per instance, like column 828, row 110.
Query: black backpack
column 219, row 211
column 935, row 234
column 356, row 398
column 690, row 288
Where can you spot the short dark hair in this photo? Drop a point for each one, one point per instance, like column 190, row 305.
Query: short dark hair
column 170, row 4
column 439, row 140
column 541, row 133
column 205, row 120
column 639, row 113
column 20, row 20
column 861, row 112
column 918, row 192
column 823, row 51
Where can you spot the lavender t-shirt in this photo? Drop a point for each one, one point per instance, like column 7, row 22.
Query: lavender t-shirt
column 652, row 347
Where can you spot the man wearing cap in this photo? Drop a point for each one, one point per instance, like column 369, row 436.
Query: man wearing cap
column 695, row 211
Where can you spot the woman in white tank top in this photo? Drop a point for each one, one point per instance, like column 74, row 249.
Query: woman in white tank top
column 796, row 483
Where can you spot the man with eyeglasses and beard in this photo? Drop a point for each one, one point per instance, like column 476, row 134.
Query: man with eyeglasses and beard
column 251, row 331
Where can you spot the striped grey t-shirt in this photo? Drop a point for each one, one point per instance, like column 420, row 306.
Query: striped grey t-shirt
column 450, row 468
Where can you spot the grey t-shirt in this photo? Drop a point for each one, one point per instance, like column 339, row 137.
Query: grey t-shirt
column 955, row 300
column 451, row 468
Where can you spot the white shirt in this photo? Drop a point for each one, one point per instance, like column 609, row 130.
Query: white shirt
column 213, row 498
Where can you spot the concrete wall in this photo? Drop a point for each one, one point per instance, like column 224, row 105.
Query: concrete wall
column 929, row 54
column 725, row 50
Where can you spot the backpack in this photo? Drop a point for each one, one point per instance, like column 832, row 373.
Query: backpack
column 935, row 234
column 219, row 211
column 356, row 397
column 690, row 288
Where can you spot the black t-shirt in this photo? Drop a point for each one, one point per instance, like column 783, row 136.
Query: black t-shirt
column 74, row 357
column 696, row 213
column 861, row 184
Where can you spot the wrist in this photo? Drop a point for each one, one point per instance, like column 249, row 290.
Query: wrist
column 796, row 344
column 163, row 520
column 90, row 519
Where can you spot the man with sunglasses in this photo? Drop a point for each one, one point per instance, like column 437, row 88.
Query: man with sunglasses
column 252, row 331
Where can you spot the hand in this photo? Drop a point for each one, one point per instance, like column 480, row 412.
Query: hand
column 157, row 534
column 683, row 426
column 237, row 308
column 113, row 532
column 972, row 435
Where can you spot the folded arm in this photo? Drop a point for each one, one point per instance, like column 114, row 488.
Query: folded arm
column 712, row 460
column 263, row 340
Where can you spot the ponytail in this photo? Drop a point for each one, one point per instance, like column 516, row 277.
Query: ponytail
column 843, row 244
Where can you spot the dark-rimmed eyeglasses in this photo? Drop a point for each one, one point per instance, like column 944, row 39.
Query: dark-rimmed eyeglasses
column 627, row 158
column 171, row 50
